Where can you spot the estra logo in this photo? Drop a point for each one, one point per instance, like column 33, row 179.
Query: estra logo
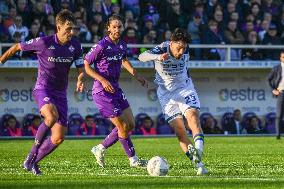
column 242, row 94
column 15, row 95
column 4, row 95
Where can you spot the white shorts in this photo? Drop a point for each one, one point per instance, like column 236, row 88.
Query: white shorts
column 175, row 104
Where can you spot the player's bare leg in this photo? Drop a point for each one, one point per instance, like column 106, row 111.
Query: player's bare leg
column 178, row 125
column 123, row 125
column 179, row 128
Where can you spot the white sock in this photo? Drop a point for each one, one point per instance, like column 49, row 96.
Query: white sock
column 199, row 145
column 200, row 164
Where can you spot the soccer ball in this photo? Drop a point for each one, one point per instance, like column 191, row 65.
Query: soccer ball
column 157, row 166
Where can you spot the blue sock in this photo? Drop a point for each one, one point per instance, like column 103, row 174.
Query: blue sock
column 189, row 155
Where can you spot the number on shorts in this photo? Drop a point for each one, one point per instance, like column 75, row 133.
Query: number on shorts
column 190, row 99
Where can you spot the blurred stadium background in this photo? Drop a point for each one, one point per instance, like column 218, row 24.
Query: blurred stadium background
column 234, row 45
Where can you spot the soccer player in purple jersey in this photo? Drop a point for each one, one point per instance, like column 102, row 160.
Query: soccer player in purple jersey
column 107, row 56
column 55, row 54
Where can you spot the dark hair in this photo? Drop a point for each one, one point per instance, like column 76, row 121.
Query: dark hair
column 128, row 29
column 12, row 117
column 180, row 35
column 36, row 117
column 17, row 34
column 147, row 118
column 255, row 4
column 89, row 116
column 237, row 110
column 63, row 16
column 253, row 117
column 113, row 17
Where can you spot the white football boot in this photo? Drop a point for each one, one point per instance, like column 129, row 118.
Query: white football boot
column 196, row 160
column 136, row 162
column 99, row 153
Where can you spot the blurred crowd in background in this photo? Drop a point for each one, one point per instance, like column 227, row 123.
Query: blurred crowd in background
column 151, row 22
column 229, row 123
column 253, row 22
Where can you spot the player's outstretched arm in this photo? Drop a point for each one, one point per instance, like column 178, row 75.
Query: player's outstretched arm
column 93, row 74
column 148, row 56
column 10, row 52
column 127, row 65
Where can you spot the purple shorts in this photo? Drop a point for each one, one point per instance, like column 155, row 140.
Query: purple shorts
column 110, row 104
column 59, row 99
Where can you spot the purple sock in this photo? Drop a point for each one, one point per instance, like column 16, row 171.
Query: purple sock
column 46, row 148
column 111, row 139
column 128, row 146
column 40, row 135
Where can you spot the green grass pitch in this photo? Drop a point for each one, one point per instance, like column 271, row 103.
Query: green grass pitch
column 233, row 162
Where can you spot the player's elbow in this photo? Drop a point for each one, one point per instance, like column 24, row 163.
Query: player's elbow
column 88, row 71
column 141, row 57
column 87, row 68
column 17, row 47
column 130, row 127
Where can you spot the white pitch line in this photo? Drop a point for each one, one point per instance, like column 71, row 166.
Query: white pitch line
column 200, row 177
column 172, row 176
column 168, row 176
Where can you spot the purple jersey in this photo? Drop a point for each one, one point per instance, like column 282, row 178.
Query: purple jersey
column 107, row 59
column 54, row 60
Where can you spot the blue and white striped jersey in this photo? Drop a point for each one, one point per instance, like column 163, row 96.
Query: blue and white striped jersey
column 172, row 73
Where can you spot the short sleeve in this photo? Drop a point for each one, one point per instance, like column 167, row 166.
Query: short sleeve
column 186, row 54
column 32, row 45
column 124, row 56
column 186, row 50
column 79, row 58
column 94, row 54
column 157, row 50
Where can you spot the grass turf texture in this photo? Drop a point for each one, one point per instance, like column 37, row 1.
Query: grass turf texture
column 237, row 162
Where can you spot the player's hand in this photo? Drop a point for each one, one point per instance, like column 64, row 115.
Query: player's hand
column 107, row 86
column 276, row 92
column 1, row 61
column 80, row 86
column 144, row 82
column 164, row 57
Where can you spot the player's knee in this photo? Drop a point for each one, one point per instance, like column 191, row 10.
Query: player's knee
column 57, row 140
column 181, row 136
column 50, row 114
column 123, row 133
column 192, row 114
column 50, row 119
column 130, row 126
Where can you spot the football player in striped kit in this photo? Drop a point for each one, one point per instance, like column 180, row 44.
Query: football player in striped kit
column 177, row 94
